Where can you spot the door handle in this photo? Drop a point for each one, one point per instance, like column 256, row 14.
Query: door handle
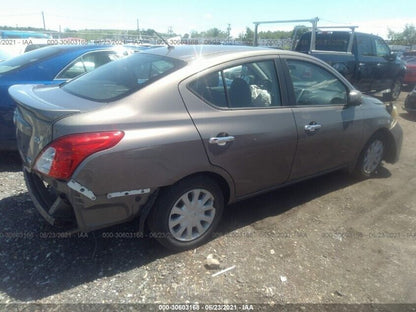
column 312, row 128
column 221, row 141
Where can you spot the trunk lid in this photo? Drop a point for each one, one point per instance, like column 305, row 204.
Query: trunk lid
column 38, row 108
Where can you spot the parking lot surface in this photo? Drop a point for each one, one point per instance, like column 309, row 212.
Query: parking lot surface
column 332, row 239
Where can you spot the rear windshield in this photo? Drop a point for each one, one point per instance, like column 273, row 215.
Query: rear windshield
column 118, row 79
column 325, row 41
column 27, row 59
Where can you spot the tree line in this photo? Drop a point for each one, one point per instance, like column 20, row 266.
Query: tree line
column 405, row 37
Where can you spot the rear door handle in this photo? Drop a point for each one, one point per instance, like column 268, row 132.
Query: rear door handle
column 221, row 141
column 312, row 128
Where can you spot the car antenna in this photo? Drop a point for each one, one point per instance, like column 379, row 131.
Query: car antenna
column 164, row 40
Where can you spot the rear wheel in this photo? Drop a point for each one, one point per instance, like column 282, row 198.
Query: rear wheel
column 371, row 157
column 186, row 214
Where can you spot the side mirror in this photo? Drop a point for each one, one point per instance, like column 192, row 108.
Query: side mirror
column 392, row 57
column 355, row 98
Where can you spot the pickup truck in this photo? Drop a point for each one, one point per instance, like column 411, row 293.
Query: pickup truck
column 364, row 59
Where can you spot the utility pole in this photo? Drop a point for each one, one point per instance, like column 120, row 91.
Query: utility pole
column 43, row 18
column 138, row 30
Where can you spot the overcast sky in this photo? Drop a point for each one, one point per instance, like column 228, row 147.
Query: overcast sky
column 187, row 15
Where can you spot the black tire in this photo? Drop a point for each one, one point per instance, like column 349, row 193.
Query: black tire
column 409, row 87
column 396, row 88
column 171, row 207
column 370, row 157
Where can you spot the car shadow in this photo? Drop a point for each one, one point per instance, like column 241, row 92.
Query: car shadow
column 408, row 116
column 278, row 202
column 382, row 173
column 39, row 260
column 10, row 161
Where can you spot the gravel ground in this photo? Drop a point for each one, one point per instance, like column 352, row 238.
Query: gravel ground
column 329, row 240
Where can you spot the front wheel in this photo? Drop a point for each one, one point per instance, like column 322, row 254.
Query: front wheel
column 371, row 157
column 395, row 90
column 186, row 214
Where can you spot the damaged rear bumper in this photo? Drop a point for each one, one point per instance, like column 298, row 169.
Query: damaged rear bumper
column 77, row 208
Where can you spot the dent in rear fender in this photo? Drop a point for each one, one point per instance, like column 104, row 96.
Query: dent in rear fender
column 92, row 214
column 72, row 184
column 103, row 211
column 161, row 144
column 146, row 159
column 128, row 193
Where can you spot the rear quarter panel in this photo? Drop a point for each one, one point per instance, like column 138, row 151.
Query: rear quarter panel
column 160, row 146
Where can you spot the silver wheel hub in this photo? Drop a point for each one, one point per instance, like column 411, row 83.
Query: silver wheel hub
column 373, row 156
column 396, row 88
column 192, row 215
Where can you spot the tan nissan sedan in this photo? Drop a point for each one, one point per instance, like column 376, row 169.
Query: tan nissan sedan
column 174, row 134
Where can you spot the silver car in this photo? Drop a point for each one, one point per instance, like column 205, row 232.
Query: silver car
column 174, row 134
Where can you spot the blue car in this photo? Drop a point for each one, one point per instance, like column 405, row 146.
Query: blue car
column 48, row 65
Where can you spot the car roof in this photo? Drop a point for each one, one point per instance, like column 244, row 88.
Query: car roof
column 190, row 52
column 58, row 54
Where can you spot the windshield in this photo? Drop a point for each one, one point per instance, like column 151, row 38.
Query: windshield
column 118, row 79
column 27, row 58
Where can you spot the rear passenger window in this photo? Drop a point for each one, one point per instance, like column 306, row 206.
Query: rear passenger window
column 248, row 85
column 313, row 85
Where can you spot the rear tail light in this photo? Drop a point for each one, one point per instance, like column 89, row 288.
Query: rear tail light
column 60, row 158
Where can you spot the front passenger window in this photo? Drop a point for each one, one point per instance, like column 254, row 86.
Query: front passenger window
column 365, row 47
column 313, row 85
column 381, row 48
